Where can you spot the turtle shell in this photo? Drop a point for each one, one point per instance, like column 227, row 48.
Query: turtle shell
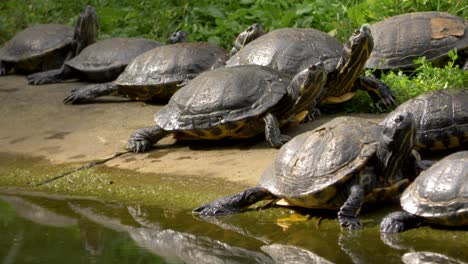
column 219, row 103
column 40, row 47
column 290, row 50
column 441, row 118
column 310, row 169
column 399, row 40
column 160, row 71
column 106, row 59
column 440, row 194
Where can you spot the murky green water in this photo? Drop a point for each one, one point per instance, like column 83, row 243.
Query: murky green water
column 41, row 229
column 156, row 225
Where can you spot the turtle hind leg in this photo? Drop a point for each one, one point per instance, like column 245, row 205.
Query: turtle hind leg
column 234, row 203
column 89, row 92
column 350, row 209
column 272, row 131
column 380, row 93
column 142, row 139
column 398, row 222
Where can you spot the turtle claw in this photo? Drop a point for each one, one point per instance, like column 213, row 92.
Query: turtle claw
column 352, row 223
column 138, row 145
column 79, row 95
column 211, row 209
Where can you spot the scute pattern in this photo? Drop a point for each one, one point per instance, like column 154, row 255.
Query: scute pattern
column 441, row 117
column 205, row 102
column 440, row 194
column 35, row 41
column 111, row 53
column 319, row 159
column 290, row 50
column 173, row 63
column 399, row 40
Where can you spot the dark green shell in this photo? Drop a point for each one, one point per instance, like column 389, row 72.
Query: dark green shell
column 32, row 46
column 440, row 194
column 399, row 40
column 224, row 102
column 309, row 170
column 290, row 50
column 441, row 117
column 160, row 71
column 109, row 56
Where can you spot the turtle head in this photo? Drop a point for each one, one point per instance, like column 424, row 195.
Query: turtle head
column 178, row 37
column 245, row 37
column 307, row 87
column 357, row 50
column 86, row 29
column 250, row 33
column 396, row 142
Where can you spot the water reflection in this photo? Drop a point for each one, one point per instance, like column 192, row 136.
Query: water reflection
column 287, row 254
column 50, row 229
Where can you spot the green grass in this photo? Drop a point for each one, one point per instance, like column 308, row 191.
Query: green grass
column 220, row 21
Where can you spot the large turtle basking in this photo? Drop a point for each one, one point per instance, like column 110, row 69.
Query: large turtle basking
column 47, row 46
column 235, row 102
column 339, row 165
column 160, row 72
column 401, row 39
column 289, row 50
column 441, row 117
column 439, row 195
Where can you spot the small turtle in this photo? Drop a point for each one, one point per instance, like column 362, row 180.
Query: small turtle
column 439, row 195
column 102, row 61
column 48, row 46
column 441, row 117
column 290, row 49
column 235, row 102
column 399, row 40
column 339, row 165
column 157, row 74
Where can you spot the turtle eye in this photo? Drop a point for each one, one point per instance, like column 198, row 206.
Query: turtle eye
column 399, row 119
column 356, row 32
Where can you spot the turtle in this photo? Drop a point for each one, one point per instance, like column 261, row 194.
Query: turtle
column 439, row 195
column 289, row 49
column 337, row 166
column 47, row 46
column 102, row 61
column 235, row 102
column 441, row 117
column 399, row 40
column 158, row 73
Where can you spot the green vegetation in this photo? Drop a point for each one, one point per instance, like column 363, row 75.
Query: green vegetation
column 220, row 21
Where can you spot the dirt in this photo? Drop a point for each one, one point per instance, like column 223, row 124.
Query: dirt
column 35, row 122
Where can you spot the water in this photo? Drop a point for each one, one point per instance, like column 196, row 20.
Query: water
column 37, row 228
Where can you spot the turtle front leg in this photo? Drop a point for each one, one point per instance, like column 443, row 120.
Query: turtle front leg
column 234, row 203
column 6, row 67
column 273, row 133
column 46, row 77
column 142, row 139
column 380, row 93
column 89, row 92
column 350, row 209
column 399, row 221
